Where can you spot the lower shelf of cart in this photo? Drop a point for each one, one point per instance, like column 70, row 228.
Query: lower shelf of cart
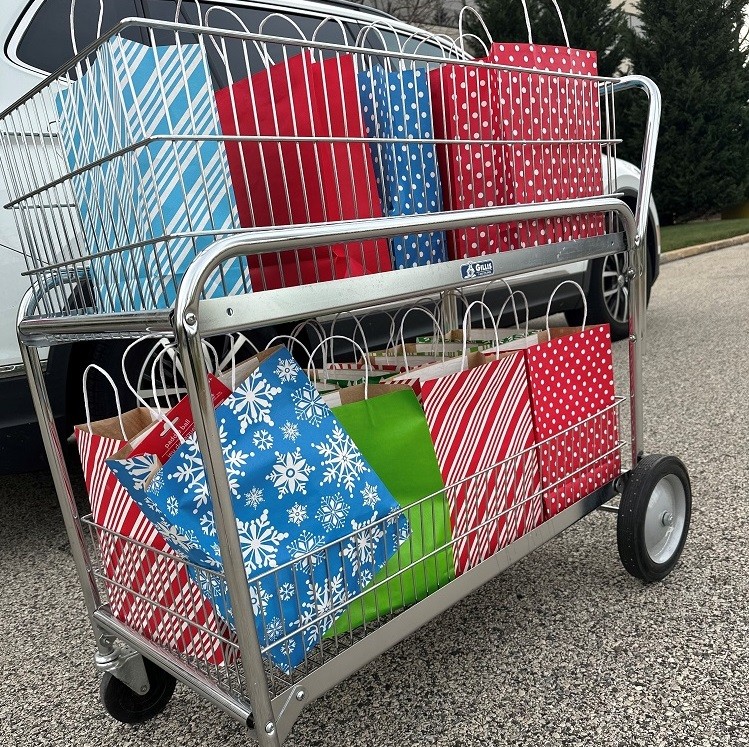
column 223, row 682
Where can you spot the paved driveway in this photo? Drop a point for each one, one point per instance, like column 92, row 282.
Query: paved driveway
column 563, row 649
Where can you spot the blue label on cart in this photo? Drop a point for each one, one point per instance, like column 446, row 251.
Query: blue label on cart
column 473, row 270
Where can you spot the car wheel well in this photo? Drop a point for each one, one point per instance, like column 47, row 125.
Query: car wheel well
column 630, row 198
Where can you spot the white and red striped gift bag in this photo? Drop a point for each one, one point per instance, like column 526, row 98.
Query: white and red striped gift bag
column 572, row 393
column 152, row 593
column 482, row 428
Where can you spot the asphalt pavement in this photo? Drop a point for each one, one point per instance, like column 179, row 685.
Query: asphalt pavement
column 563, row 649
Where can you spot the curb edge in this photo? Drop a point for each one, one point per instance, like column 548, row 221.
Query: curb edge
column 691, row 251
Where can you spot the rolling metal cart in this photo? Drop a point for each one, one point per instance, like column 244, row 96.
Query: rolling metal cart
column 85, row 291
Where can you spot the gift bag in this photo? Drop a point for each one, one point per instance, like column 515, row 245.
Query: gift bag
column 572, row 392
column 535, row 115
column 465, row 99
column 147, row 590
column 387, row 424
column 395, row 106
column 479, row 414
column 482, row 429
column 312, row 515
column 301, row 181
column 561, row 112
column 130, row 93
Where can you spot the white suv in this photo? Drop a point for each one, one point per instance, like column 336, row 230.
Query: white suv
column 35, row 41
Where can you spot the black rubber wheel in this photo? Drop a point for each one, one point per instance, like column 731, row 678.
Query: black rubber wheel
column 131, row 708
column 654, row 515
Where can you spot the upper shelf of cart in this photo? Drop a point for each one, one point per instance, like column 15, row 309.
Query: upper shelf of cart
column 36, row 42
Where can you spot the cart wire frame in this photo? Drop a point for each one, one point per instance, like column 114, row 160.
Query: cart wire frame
column 269, row 701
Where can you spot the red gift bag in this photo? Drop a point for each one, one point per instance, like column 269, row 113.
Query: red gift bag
column 464, row 101
column 571, row 380
column 177, row 614
column 490, row 104
column 563, row 113
column 482, row 429
column 296, row 181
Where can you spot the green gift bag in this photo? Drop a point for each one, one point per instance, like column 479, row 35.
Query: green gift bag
column 390, row 430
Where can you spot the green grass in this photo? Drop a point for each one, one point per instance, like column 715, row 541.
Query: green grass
column 689, row 234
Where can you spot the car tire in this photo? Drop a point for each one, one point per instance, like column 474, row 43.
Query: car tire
column 608, row 295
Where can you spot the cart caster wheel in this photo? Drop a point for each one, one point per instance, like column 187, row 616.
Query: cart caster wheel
column 654, row 514
column 129, row 707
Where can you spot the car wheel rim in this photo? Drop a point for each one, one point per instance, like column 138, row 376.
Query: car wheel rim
column 665, row 518
column 615, row 288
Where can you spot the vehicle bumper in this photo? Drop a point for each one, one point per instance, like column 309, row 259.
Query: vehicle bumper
column 21, row 446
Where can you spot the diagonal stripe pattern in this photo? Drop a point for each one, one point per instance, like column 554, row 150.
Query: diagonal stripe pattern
column 130, row 93
column 481, row 424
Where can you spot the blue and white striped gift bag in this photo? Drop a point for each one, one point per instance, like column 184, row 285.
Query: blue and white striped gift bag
column 396, row 105
column 137, row 95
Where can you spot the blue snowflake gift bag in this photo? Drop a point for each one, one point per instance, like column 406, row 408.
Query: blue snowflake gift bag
column 396, row 105
column 315, row 522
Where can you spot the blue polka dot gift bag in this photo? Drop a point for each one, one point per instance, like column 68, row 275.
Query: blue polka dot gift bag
column 396, row 109
column 315, row 522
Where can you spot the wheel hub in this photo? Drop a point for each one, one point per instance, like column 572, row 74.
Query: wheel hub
column 614, row 286
column 664, row 519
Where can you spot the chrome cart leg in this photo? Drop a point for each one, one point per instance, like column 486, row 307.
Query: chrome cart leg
column 638, row 292
column 638, row 260
column 196, row 379
column 106, row 649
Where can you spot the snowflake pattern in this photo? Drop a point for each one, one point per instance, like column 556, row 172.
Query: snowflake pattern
column 304, row 546
column 251, row 401
column 290, row 473
column 207, row 524
column 363, row 544
column 143, row 467
column 287, row 370
column 287, row 649
column 309, row 406
column 290, row 431
column 190, row 472
column 259, row 598
column 332, row 512
column 289, row 503
column 259, row 541
column 286, row 591
column 297, row 513
column 342, row 461
column 263, row 440
column 253, row 497
column 274, row 630
column 370, row 495
column 324, row 603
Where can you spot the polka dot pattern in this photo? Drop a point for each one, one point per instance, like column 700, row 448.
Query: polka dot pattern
column 465, row 101
column 396, row 105
column 563, row 113
column 560, row 115
column 571, row 384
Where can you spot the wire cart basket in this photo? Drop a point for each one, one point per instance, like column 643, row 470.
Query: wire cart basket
column 204, row 209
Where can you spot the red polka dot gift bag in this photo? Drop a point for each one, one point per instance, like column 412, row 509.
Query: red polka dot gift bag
column 536, row 127
column 571, row 383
